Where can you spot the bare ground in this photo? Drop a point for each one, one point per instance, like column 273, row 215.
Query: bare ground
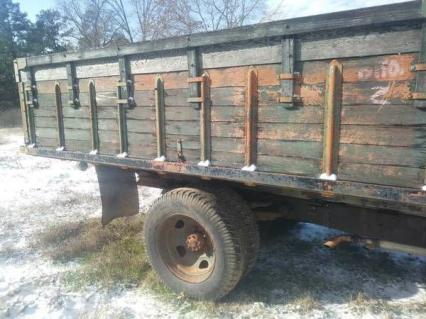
column 295, row 277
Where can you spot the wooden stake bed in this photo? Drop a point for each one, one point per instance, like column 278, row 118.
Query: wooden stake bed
column 329, row 106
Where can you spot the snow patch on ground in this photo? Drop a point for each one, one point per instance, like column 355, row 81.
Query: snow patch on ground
column 38, row 192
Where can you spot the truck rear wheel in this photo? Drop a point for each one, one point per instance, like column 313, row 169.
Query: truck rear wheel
column 195, row 243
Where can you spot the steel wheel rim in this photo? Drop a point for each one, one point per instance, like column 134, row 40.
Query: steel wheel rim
column 186, row 248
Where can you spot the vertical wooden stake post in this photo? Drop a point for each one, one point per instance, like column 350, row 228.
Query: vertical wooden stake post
column 93, row 115
column 251, row 121
column 160, row 119
column 332, row 120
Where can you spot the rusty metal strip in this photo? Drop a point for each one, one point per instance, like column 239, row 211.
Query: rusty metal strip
column 332, row 120
column 73, row 99
column 59, row 117
column 93, row 116
column 160, row 118
column 251, row 120
column 287, row 76
column 194, row 69
column 205, row 122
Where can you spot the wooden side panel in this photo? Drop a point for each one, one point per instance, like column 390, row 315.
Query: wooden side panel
column 383, row 136
column 106, row 105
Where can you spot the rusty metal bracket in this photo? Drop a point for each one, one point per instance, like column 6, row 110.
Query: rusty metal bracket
column 418, row 96
column 194, row 69
column 125, row 100
column 289, row 99
column 125, row 94
column 201, row 98
column 288, row 76
column 31, row 89
column 418, row 67
column 72, row 86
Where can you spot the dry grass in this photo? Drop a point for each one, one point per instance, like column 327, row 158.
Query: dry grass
column 109, row 255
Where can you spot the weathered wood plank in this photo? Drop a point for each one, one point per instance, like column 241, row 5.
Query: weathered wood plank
column 376, row 69
column 288, row 165
column 154, row 63
column 380, row 174
column 50, row 73
column 382, row 155
column 227, row 159
column 290, row 132
column 312, row 95
column 280, row 114
column 392, row 92
column 228, row 144
column 383, row 115
column 384, row 135
column 142, row 145
column 109, row 135
column 237, row 76
column 188, row 142
column 227, row 96
column 190, row 128
column 73, row 134
column 227, row 113
column 98, row 68
column 190, row 156
column 302, row 149
column 109, row 148
column 142, row 151
column 70, row 145
column 102, row 84
column 49, row 86
column 145, row 98
column 141, row 113
column 227, row 129
column 369, row 43
column 141, row 126
column 172, row 80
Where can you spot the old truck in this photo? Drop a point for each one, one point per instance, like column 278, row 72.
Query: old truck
column 319, row 119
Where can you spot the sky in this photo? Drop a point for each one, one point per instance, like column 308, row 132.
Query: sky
column 282, row 8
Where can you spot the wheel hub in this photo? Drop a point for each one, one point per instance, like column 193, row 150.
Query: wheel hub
column 186, row 248
column 195, row 242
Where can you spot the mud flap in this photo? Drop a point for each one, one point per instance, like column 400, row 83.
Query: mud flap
column 119, row 192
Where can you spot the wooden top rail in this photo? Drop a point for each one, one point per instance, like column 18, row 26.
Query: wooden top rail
column 380, row 15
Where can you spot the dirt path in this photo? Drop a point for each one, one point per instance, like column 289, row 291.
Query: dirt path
column 294, row 277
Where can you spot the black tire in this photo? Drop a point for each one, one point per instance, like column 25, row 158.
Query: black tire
column 248, row 225
column 223, row 228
